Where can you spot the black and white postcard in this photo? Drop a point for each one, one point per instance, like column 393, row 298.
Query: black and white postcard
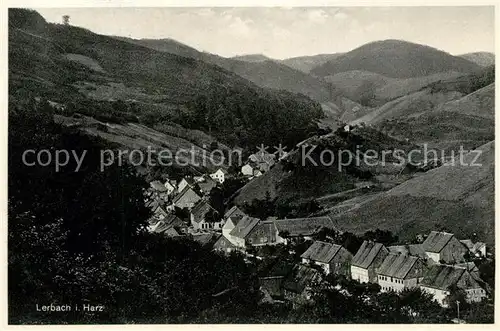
column 250, row 165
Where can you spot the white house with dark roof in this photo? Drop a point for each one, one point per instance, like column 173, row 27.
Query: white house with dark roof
column 367, row 259
column 220, row 175
column 400, row 271
column 443, row 246
column 331, row 257
column 439, row 278
column 242, row 229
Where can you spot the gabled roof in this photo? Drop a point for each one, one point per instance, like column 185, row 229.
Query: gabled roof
column 441, row 277
column 301, row 277
column 224, row 171
column 234, row 219
column 158, row 186
column 412, row 249
column 366, row 254
column 244, row 226
column 234, row 211
column 321, row 251
column 200, row 210
column 223, row 243
column 397, row 265
column 436, row 241
column 171, row 232
column 207, row 185
column 303, row 226
column 185, row 192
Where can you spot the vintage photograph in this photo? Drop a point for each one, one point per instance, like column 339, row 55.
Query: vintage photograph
column 251, row 165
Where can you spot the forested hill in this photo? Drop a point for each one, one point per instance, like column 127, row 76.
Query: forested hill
column 65, row 63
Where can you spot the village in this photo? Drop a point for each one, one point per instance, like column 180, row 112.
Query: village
column 438, row 262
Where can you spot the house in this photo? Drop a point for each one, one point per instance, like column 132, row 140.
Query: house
column 247, row 170
column 207, row 186
column 187, row 198
column 186, row 182
column 220, row 175
column 400, row 271
column 204, row 217
column 155, row 205
column 224, row 245
column 297, row 285
column 443, row 246
column 301, row 227
column 264, row 233
column 478, row 249
column 158, row 186
column 257, row 173
column 170, row 186
column 366, row 261
column 262, row 157
column 159, row 190
column 241, row 230
column 439, row 279
column 229, row 224
column 199, row 179
column 332, row 258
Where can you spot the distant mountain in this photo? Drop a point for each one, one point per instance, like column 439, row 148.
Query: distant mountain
column 164, row 45
column 66, row 64
column 258, row 69
column 483, row 59
column 373, row 89
column 431, row 92
column 252, row 58
column 396, row 59
column 467, row 121
column 307, row 63
column 458, row 198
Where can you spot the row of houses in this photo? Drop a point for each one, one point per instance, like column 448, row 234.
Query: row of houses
column 241, row 231
column 435, row 266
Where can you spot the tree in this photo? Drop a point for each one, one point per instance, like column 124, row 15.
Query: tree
column 65, row 19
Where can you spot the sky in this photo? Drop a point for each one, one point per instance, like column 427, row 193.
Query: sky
column 281, row 33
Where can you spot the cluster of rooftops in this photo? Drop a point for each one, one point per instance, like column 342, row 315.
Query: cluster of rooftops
column 435, row 265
